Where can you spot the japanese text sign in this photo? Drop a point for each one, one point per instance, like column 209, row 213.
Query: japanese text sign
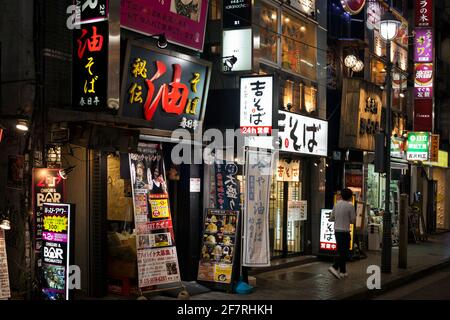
column 227, row 186
column 90, row 67
column 92, row 10
column 288, row 171
column 434, row 148
column 423, row 80
column 55, row 251
column 424, row 13
column 256, row 105
column 157, row 259
column 166, row 90
column 418, row 146
column 327, row 237
column 237, row 13
column 48, row 187
column 182, row 21
column 302, row 134
column 256, row 246
column 423, row 45
column 423, row 115
column 218, row 246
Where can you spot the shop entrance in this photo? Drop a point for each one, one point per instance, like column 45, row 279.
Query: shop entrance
column 286, row 230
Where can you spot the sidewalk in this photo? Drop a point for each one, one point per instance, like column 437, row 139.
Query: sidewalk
column 312, row 281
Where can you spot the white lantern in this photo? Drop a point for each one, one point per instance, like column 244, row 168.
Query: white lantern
column 350, row 61
column 389, row 26
column 359, row 66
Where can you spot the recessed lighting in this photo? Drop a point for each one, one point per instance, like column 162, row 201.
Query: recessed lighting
column 22, row 125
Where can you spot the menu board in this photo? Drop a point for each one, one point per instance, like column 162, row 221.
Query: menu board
column 155, row 242
column 218, row 246
column 55, row 251
column 5, row 291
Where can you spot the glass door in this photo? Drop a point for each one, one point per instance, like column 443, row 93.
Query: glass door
column 294, row 224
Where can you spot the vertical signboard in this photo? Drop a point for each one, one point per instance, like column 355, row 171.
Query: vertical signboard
column 55, row 251
column 418, row 146
column 256, row 245
column 155, row 241
column 434, row 148
column 5, row 291
column 424, row 13
column 237, row 13
column 256, row 105
column 218, row 246
column 227, row 186
column 182, row 21
column 90, row 67
column 423, row 43
column 48, row 187
column 237, row 50
column 327, row 237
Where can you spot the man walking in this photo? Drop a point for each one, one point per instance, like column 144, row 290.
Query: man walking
column 343, row 215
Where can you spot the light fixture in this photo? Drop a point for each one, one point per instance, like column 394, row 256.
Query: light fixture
column 162, row 40
column 64, row 173
column 359, row 66
column 389, row 26
column 22, row 125
column 350, row 61
column 274, row 16
column 302, row 28
column 229, row 62
column 5, row 224
column 402, row 95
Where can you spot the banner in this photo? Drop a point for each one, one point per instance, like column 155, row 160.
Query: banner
column 155, row 241
column 48, row 187
column 5, row 291
column 256, row 245
column 227, row 186
column 55, row 251
column 218, row 246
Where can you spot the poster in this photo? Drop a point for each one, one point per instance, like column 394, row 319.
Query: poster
column 155, row 241
column 297, row 210
column 218, row 246
column 288, row 171
column 182, row 21
column 48, row 187
column 227, row 186
column 5, row 291
column 15, row 172
column 256, row 245
column 55, row 251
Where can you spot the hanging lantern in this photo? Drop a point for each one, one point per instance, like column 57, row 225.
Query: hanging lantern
column 350, row 61
column 359, row 66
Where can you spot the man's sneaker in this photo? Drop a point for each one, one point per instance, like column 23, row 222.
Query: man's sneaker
column 334, row 272
column 343, row 275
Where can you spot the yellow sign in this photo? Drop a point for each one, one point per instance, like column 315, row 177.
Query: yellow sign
column 443, row 160
column 336, row 199
column 434, row 148
column 222, row 273
column 160, row 208
column 55, row 224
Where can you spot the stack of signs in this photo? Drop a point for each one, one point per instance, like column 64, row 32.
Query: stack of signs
column 256, row 246
column 55, row 251
column 155, row 242
column 423, row 67
column 5, row 292
column 219, row 246
column 227, row 186
column 48, row 187
column 327, row 237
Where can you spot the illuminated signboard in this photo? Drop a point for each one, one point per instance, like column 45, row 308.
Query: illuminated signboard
column 327, row 237
column 418, row 146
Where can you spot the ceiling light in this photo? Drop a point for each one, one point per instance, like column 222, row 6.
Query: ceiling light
column 22, row 125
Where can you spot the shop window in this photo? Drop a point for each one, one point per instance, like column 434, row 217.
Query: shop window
column 215, row 12
column 298, row 45
column 310, row 98
column 378, row 72
column 288, row 95
column 268, row 33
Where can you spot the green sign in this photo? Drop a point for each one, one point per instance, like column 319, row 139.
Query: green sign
column 418, row 146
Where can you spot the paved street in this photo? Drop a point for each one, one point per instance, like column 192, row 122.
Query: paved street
column 312, row 281
column 436, row 286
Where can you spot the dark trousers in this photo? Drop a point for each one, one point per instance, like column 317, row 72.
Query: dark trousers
column 343, row 247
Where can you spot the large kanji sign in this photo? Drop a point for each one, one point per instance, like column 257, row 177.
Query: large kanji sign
column 424, row 13
column 90, row 67
column 166, row 89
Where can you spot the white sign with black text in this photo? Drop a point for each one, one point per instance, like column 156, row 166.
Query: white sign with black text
column 302, row 134
column 256, row 105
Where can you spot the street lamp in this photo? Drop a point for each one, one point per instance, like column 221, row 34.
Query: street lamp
column 389, row 26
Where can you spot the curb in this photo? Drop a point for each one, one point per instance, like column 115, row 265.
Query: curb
column 365, row 294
